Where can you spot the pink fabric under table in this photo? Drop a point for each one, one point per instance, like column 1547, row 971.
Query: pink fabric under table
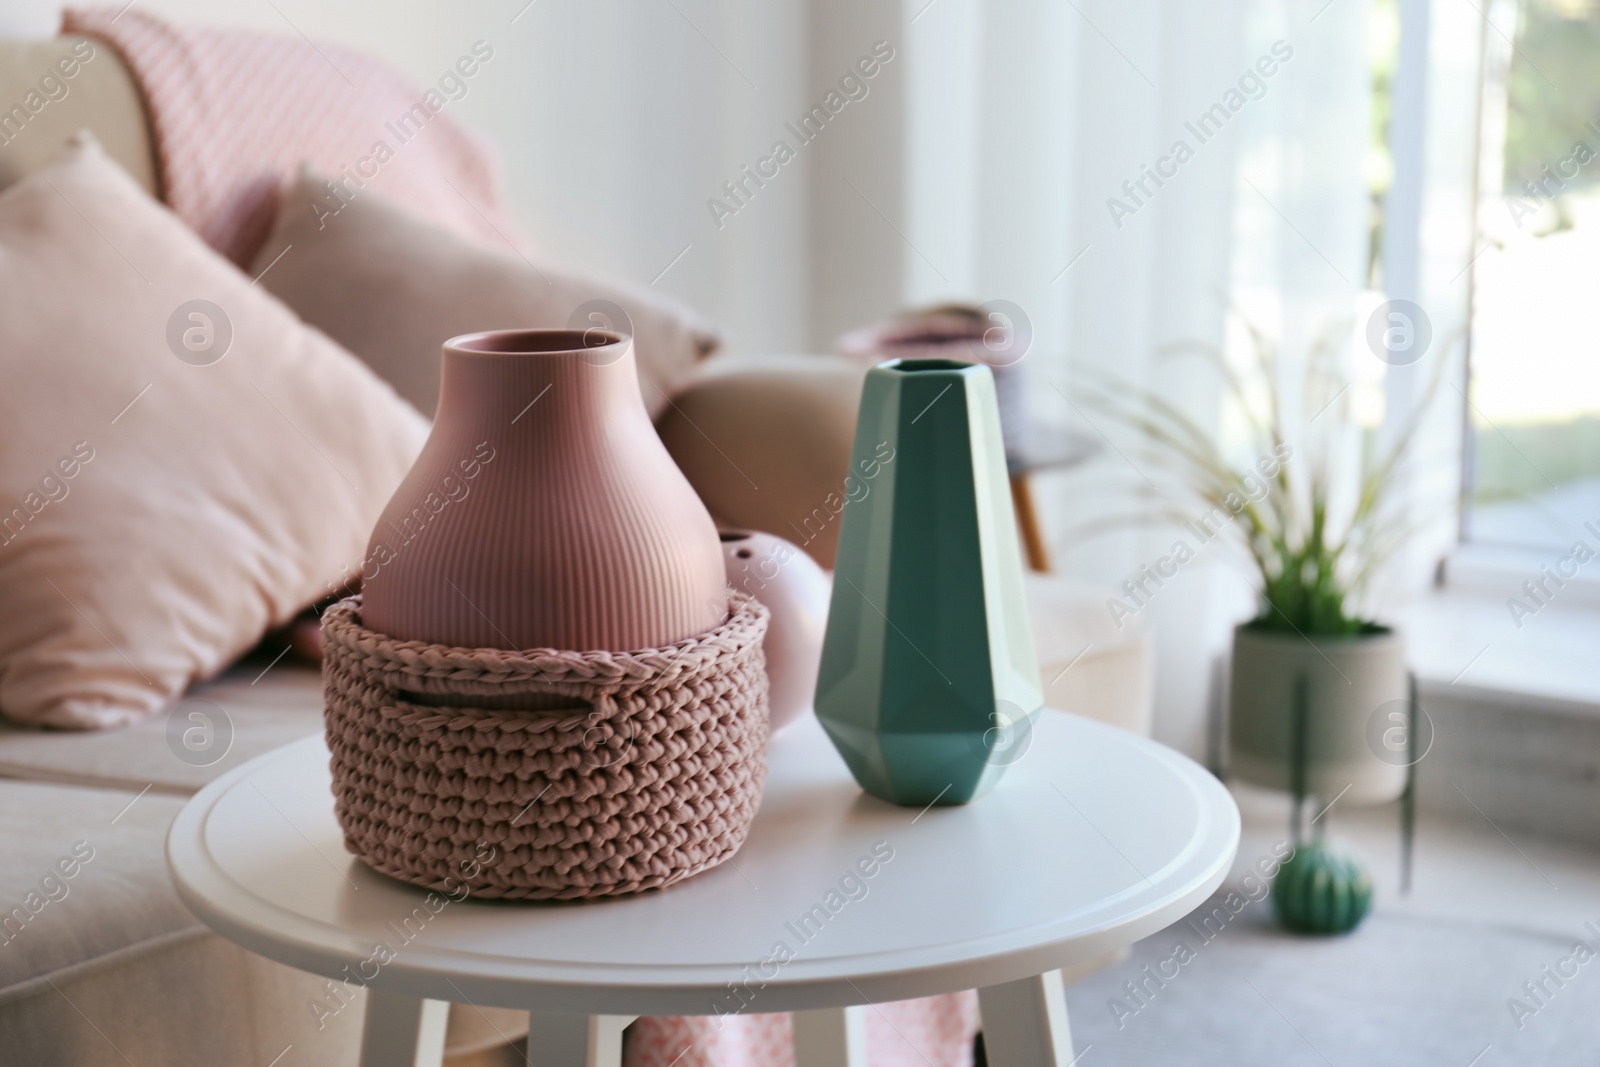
column 931, row 1032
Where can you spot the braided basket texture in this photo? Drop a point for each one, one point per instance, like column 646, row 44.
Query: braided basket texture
column 652, row 774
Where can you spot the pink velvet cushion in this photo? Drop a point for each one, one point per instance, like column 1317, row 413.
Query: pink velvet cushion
column 175, row 477
column 392, row 287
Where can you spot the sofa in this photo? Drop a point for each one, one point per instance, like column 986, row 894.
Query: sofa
column 100, row 963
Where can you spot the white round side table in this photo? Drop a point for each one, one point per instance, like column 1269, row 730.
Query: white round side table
column 1094, row 839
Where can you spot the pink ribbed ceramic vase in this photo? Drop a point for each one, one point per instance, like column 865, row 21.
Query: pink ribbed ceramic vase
column 544, row 511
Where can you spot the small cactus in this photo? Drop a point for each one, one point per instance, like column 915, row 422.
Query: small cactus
column 1321, row 891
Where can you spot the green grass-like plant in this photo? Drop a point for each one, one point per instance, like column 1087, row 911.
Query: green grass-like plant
column 1313, row 566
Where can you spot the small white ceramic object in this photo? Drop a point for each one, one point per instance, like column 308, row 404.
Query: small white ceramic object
column 796, row 591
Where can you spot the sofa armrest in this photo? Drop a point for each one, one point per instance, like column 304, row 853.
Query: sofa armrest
column 766, row 442
column 100, row 96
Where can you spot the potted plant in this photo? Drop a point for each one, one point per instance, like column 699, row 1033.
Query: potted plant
column 1311, row 669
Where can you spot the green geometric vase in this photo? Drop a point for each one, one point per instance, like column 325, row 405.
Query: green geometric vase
column 928, row 685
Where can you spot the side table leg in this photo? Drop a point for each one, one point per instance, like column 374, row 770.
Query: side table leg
column 402, row 1031
column 831, row 1037
column 565, row 1039
column 1025, row 1023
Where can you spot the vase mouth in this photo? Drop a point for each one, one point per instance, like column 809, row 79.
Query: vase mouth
column 533, row 342
column 926, row 366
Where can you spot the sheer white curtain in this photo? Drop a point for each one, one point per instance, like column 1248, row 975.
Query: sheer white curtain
column 1214, row 155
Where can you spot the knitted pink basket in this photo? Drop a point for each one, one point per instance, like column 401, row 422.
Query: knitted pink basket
column 650, row 774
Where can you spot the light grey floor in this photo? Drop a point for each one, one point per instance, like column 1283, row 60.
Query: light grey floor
column 1425, row 981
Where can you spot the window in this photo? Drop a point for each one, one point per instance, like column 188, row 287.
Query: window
column 1533, row 423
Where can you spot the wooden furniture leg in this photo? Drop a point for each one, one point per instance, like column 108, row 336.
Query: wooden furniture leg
column 402, row 1031
column 564, row 1039
column 1025, row 1023
column 831, row 1037
column 1028, row 524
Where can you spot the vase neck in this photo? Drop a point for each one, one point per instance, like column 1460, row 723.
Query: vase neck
column 512, row 387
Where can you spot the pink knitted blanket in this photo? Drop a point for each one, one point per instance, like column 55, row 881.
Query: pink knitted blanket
column 235, row 112
column 931, row 1032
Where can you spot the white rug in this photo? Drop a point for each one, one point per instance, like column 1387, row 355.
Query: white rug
column 1404, row 990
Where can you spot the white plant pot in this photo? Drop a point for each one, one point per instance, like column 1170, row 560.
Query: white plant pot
column 1349, row 680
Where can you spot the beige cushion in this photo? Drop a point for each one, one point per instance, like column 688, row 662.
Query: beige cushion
column 159, row 515
column 766, row 443
column 98, row 95
column 252, row 709
column 1090, row 666
column 392, row 287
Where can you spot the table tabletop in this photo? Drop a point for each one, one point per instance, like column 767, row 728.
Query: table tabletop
column 1094, row 839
